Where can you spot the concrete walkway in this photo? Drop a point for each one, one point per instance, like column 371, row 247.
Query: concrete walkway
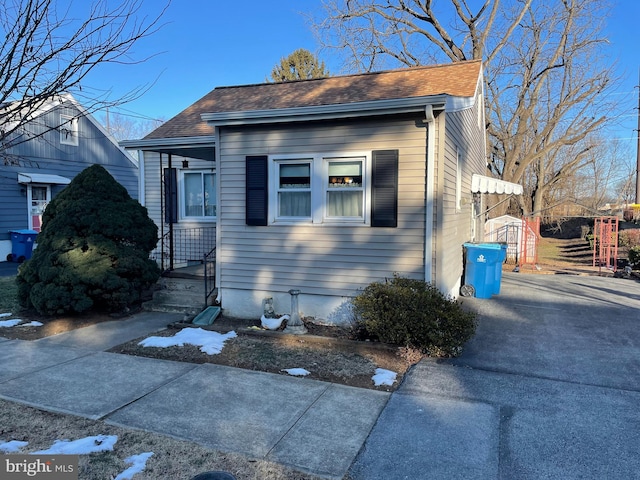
column 313, row 426
column 549, row 388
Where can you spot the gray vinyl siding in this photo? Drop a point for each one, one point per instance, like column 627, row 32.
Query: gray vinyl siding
column 320, row 259
column 47, row 155
column 463, row 135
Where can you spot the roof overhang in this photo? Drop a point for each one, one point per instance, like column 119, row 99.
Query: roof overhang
column 483, row 184
column 326, row 112
column 43, row 178
column 191, row 147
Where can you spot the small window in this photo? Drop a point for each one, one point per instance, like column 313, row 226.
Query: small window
column 199, row 195
column 294, row 189
column 344, row 189
column 68, row 130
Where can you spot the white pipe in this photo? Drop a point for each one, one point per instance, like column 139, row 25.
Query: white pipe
column 428, row 230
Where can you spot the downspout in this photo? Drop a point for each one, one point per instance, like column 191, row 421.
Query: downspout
column 428, row 230
column 216, row 155
column 141, row 187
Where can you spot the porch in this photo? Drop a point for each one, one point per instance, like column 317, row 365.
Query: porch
column 188, row 263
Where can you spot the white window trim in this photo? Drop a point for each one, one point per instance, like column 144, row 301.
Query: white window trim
column 319, row 172
column 69, row 132
column 181, row 203
column 30, row 200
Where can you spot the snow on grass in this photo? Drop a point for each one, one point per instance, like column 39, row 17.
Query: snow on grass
column 383, row 377
column 209, row 342
column 12, row 446
column 138, row 463
column 9, row 323
column 298, row 372
column 3, row 315
column 31, row 324
column 96, row 443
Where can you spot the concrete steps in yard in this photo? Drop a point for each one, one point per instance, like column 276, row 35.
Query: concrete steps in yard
column 179, row 295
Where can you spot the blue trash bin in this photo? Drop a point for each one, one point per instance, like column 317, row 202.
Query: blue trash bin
column 482, row 261
column 22, row 244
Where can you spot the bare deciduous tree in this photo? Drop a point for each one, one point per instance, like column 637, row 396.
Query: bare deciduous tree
column 544, row 71
column 45, row 52
column 128, row 127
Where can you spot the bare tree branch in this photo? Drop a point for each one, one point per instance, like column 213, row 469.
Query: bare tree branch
column 545, row 73
column 44, row 53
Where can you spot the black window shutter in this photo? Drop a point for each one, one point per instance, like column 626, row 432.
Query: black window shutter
column 256, row 204
column 384, row 189
column 170, row 195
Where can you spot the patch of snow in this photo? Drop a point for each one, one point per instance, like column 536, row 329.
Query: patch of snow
column 2, row 315
column 383, row 377
column 12, row 446
column 138, row 463
column 272, row 323
column 298, row 372
column 31, row 324
column 9, row 323
column 96, row 443
column 209, row 342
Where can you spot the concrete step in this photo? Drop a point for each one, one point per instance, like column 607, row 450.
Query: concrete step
column 181, row 284
column 188, row 311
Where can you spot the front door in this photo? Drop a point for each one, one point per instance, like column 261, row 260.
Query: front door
column 39, row 197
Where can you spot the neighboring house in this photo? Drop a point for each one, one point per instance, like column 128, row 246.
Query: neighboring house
column 57, row 143
column 323, row 185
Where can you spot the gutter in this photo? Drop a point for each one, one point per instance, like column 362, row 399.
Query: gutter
column 326, row 112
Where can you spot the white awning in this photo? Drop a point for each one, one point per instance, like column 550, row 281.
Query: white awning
column 43, row 178
column 482, row 184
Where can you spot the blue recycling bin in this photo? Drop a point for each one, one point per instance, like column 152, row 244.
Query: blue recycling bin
column 21, row 245
column 483, row 268
column 498, row 267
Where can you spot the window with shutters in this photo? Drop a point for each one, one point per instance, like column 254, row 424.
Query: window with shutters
column 346, row 188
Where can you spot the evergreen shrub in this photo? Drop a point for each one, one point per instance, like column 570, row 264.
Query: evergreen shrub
column 93, row 250
column 415, row 314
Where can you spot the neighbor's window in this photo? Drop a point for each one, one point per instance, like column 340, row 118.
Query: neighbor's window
column 344, row 188
column 68, row 130
column 294, row 189
column 199, row 194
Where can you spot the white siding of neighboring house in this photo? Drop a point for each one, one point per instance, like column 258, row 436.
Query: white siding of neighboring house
column 328, row 263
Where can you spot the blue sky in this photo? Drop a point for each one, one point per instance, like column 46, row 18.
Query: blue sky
column 210, row 43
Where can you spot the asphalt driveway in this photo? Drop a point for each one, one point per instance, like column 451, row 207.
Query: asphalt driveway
column 548, row 388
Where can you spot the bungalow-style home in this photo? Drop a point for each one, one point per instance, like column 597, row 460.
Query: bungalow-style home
column 39, row 160
column 323, row 185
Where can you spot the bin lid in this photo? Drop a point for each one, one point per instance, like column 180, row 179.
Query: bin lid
column 25, row 231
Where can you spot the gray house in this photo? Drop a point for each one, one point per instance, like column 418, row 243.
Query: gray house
column 44, row 156
column 322, row 185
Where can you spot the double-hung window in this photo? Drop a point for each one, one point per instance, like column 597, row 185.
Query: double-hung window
column 351, row 188
column 199, row 194
column 319, row 189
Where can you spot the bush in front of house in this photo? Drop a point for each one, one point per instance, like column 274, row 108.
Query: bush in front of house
column 93, row 250
column 415, row 314
column 634, row 257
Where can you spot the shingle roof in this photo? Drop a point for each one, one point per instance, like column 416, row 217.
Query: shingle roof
column 457, row 79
